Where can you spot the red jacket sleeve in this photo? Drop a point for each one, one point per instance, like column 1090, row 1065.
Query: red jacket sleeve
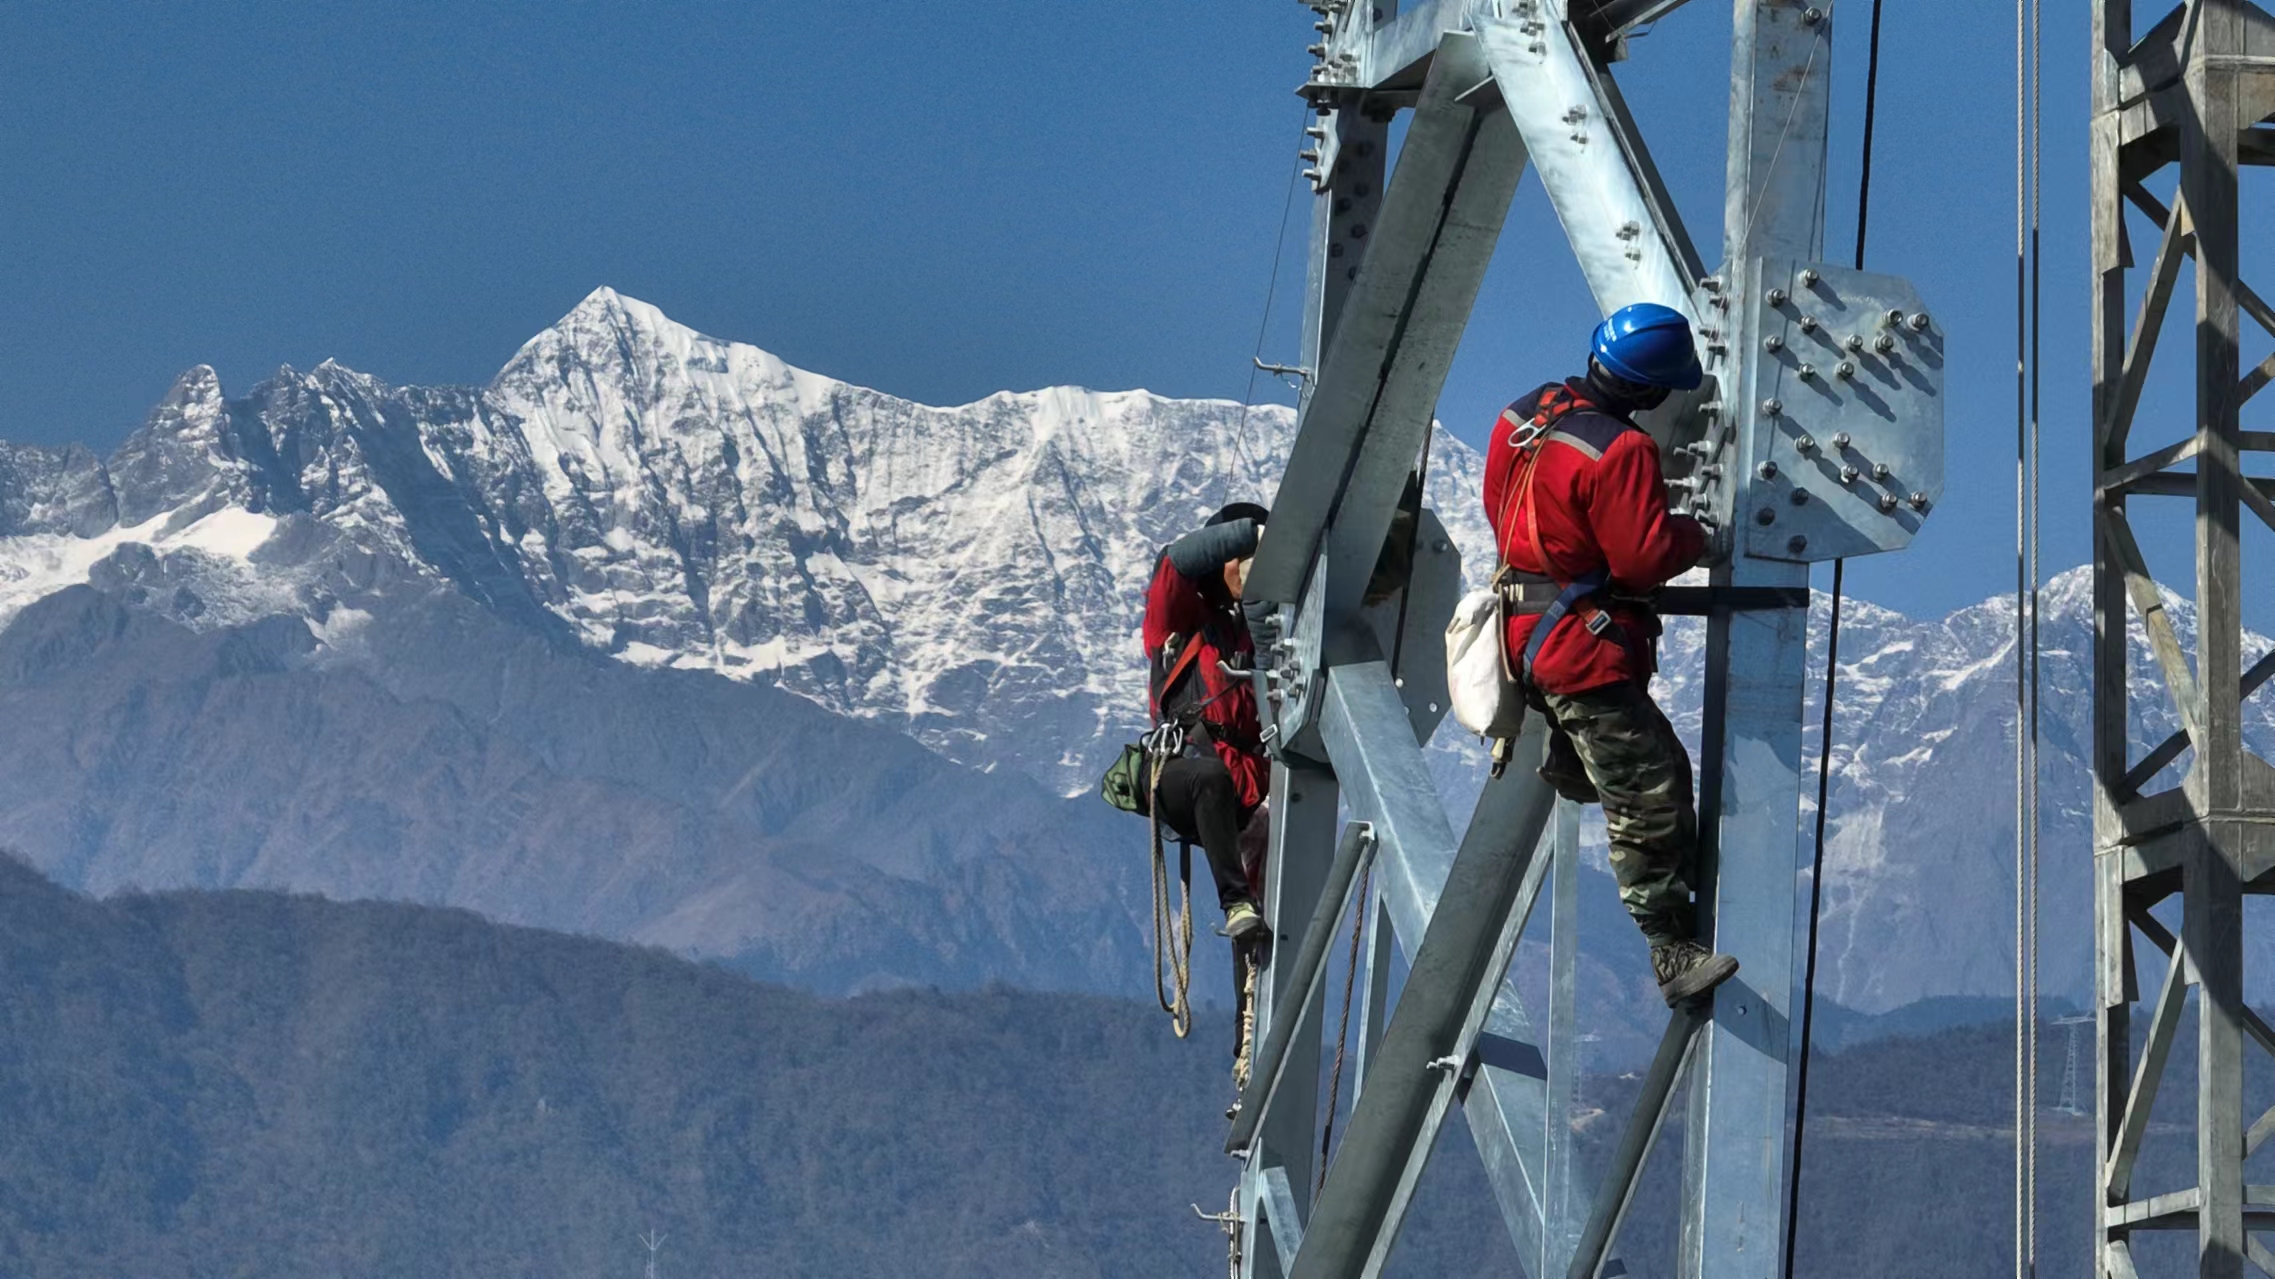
column 1643, row 542
column 1172, row 607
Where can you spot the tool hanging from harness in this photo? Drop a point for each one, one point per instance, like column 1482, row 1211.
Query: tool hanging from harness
column 1489, row 693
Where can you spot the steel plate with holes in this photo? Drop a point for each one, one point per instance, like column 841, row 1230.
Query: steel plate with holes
column 1297, row 680
column 1845, row 449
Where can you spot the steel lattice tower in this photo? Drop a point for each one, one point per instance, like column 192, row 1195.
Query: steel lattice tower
column 1818, row 435
column 2195, row 93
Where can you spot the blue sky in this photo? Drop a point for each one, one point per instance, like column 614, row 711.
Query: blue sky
column 937, row 201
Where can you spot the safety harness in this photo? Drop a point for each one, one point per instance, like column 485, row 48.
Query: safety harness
column 1521, row 589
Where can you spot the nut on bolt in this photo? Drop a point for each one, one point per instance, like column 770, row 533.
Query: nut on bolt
column 1840, row 439
column 1919, row 501
column 1845, row 369
column 1806, row 444
column 1772, row 406
column 1886, row 344
column 1775, row 297
column 1767, row 470
column 1887, row 503
column 1849, row 474
column 1808, row 275
column 1773, row 344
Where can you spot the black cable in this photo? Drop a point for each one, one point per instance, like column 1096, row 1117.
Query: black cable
column 1825, row 730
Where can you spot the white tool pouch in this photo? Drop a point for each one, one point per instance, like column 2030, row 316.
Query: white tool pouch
column 1480, row 685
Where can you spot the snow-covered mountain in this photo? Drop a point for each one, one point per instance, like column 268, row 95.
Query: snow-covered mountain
column 969, row 576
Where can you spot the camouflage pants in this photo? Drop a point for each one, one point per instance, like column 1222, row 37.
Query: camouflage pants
column 1641, row 773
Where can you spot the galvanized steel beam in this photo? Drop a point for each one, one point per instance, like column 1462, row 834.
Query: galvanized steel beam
column 2191, row 92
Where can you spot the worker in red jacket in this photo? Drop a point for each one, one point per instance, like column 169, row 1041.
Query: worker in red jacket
column 1579, row 512
column 1199, row 650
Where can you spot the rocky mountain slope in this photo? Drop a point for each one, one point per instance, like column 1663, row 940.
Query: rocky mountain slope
column 628, row 489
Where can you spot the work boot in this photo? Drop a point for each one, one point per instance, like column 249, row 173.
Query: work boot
column 1242, row 919
column 1687, row 970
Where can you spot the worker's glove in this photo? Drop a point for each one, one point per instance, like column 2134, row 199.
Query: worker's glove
column 1263, row 626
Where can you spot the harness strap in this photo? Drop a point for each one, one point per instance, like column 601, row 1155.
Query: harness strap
column 1554, row 405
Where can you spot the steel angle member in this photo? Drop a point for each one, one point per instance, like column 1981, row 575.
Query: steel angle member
column 1398, row 53
column 1452, row 910
column 1373, row 388
column 1310, row 964
column 1844, row 412
column 1580, row 142
column 1425, row 605
column 1293, row 681
column 1506, row 1100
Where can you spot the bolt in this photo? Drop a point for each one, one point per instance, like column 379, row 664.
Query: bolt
column 1855, row 343
column 1807, row 444
column 1775, row 297
column 1773, row 344
column 1846, row 369
column 1808, row 324
column 1767, row 470
column 1919, row 322
column 1317, row 132
column 1849, row 474
column 1317, row 51
column 1808, row 371
column 1796, row 544
column 1712, row 408
column 1919, row 501
column 1800, row 497
column 1358, row 230
column 1895, row 316
column 1712, row 284
column 1772, row 406
column 1765, row 517
column 1812, row 16
column 1885, row 345
column 1887, row 503
column 1808, row 278
column 1308, row 156
column 1840, row 439
column 1880, row 472
column 1710, row 471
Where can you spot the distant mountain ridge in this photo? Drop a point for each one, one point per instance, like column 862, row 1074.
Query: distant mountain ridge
column 969, row 575
column 630, row 489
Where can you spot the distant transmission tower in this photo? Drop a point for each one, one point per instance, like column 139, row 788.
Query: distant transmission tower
column 652, row 1241
column 2071, row 1103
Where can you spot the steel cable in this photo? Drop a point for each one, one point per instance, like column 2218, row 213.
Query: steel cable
column 1271, row 294
column 1825, row 729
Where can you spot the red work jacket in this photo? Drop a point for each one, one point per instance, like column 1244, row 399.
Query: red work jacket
column 1175, row 607
column 1601, row 501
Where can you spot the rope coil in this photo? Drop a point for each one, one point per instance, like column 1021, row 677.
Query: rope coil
column 1172, row 931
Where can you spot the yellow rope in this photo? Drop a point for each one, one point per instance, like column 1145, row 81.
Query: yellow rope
column 1245, row 957
column 1171, row 932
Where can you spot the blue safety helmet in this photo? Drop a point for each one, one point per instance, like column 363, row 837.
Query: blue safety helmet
column 1650, row 344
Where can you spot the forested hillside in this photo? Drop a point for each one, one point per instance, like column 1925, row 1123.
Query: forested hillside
column 250, row 1084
